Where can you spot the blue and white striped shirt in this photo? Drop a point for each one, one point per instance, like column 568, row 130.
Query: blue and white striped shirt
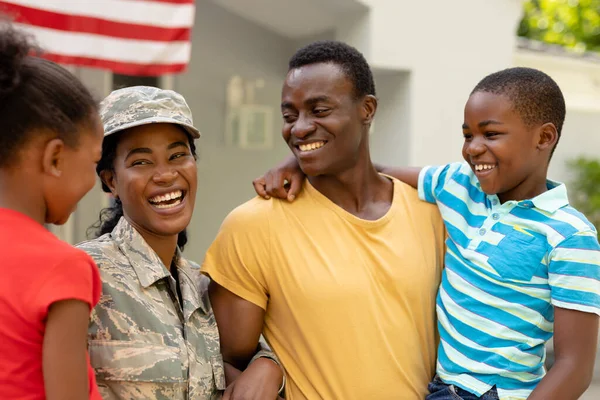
column 507, row 266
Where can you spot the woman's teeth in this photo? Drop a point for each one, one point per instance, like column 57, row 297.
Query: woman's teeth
column 311, row 146
column 170, row 205
column 168, row 200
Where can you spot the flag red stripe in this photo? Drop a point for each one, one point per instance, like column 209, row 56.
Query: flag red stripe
column 74, row 23
column 118, row 67
column 173, row 1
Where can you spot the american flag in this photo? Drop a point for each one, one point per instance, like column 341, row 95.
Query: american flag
column 130, row 37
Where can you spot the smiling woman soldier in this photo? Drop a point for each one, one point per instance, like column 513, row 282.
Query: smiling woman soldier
column 153, row 334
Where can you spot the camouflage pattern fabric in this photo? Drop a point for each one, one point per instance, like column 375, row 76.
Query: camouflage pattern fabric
column 142, row 105
column 142, row 343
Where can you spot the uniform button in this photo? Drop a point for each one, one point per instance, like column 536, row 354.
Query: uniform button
column 494, row 202
column 496, row 216
column 482, row 231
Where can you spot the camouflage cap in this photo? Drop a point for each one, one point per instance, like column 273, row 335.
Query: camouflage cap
column 141, row 105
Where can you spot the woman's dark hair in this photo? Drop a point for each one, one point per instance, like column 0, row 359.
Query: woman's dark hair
column 110, row 216
column 36, row 94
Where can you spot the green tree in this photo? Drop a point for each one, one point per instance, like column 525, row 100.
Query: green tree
column 571, row 23
column 586, row 194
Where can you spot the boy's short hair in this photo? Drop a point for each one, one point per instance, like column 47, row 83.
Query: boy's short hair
column 535, row 96
column 349, row 59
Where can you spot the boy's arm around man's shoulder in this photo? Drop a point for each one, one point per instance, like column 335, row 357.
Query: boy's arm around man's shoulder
column 429, row 181
column 408, row 175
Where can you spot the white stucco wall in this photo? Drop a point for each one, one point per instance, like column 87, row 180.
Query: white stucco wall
column 426, row 58
column 579, row 80
column 226, row 45
column 447, row 46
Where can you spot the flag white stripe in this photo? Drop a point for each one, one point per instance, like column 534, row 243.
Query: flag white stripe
column 167, row 15
column 108, row 48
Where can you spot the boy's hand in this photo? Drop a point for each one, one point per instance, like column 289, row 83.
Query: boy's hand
column 283, row 182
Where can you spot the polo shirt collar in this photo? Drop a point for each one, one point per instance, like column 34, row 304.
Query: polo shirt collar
column 553, row 199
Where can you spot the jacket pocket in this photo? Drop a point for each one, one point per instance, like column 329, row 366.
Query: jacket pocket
column 207, row 377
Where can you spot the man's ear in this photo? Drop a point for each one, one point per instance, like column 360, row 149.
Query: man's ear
column 548, row 137
column 53, row 157
column 369, row 108
column 107, row 177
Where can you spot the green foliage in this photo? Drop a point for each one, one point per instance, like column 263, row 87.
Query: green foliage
column 571, row 23
column 585, row 188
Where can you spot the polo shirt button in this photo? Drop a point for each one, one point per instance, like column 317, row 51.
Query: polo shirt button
column 482, row 231
column 494, row 202
column 496, row 216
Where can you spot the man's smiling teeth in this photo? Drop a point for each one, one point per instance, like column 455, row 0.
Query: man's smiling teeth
column 311, row 146
column 167, row 200
column 482, row 167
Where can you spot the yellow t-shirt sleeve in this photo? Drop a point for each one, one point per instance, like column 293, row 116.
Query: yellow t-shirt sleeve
column 239, row 255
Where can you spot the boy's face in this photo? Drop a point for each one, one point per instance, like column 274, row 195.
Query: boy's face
column 503, row 152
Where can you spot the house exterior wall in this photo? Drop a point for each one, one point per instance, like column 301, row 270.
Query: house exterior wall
column 579, row 80
column 425, row 60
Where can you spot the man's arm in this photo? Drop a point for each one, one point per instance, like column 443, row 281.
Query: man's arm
column 240, row 324
column 238, row 264
column 575, row 342
column 264, row 356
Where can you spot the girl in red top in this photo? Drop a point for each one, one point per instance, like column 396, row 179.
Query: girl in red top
column 50, row 141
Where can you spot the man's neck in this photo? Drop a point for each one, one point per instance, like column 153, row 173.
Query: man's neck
column 361, row 191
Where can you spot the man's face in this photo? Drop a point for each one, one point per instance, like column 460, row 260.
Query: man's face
column 324, row 123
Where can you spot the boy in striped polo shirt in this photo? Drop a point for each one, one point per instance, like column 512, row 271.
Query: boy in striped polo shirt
column 522, row 265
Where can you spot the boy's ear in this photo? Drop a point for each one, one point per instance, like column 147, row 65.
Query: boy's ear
column 108, row 178
column 53, row 157
column 548, row 137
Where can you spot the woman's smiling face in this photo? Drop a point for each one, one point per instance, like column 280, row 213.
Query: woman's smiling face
column 155, row 177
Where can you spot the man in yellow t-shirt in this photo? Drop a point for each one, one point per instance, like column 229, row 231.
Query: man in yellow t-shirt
column 343, row 280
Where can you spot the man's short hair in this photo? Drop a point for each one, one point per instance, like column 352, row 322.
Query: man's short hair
column 535, row 96
column 350, row 60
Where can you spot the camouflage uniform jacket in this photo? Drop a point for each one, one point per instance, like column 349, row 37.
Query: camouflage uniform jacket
column 142, row 343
